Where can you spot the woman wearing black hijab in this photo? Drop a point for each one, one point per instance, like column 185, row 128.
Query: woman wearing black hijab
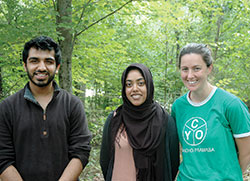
column 139, row 140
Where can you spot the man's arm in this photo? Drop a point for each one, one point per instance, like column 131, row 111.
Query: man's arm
column 7, row 157
column 243, row 145
column 78, row 142
column 72, row 171
column 10, row 174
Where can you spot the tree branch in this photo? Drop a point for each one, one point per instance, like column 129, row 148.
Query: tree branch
column 2, row 95
column 77, row 34
column 232, row 22
column 83, row 10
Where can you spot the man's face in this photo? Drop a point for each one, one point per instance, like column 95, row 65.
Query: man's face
column 41, row 67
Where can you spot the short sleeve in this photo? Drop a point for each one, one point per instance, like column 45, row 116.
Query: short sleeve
column 239, row 118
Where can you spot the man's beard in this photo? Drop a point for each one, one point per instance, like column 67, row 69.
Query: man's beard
column 41, row 83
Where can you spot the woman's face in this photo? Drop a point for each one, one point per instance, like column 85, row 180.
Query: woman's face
column 194, row 72
column 135, row 87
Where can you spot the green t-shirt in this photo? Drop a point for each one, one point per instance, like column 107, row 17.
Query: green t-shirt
column 206, row 132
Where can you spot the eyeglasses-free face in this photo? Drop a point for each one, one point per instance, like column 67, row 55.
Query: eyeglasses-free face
column 41, row 67
column 194, row 72
column 136, row 90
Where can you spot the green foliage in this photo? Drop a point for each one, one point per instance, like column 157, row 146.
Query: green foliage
column 19, row 22
column 92, row 171
column 148, row 32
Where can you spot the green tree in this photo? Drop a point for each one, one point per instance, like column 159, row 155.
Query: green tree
column 70, row 30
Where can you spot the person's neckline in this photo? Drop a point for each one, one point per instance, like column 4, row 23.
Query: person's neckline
column 204, row 101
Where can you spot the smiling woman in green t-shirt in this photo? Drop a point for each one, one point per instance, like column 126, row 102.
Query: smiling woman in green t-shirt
column 212, row 124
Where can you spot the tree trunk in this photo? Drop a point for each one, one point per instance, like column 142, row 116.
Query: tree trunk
column 219, row 24
column 67, row 40
column 177, row 33
column 166, row 76
column 64, row 23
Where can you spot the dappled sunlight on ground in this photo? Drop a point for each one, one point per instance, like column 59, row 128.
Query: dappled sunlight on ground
column 246, row 175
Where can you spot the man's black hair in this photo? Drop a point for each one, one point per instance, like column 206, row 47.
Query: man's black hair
column 43, row 43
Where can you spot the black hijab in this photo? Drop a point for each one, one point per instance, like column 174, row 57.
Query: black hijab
column 144, row 125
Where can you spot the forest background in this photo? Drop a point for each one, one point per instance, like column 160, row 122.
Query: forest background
column 100, row 38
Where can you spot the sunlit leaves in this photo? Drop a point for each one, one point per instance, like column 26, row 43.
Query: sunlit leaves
column 149, row 32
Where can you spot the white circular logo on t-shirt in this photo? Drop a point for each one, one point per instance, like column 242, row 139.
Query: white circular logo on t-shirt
column 194, row 131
